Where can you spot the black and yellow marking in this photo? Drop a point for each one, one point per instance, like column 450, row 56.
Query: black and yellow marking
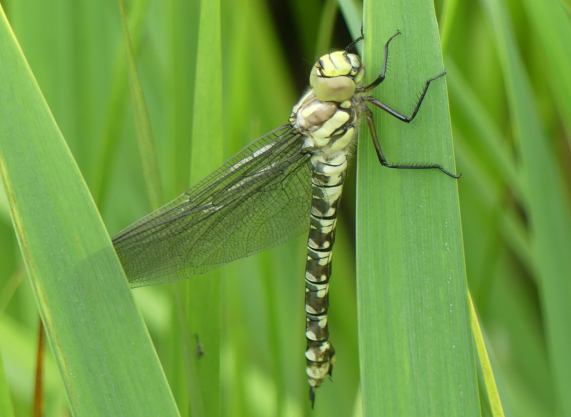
column 327, row 185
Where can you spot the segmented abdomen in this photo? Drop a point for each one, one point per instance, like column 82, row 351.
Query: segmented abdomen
column 327, row 185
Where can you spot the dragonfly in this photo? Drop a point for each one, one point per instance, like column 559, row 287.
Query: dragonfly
column 287, row 181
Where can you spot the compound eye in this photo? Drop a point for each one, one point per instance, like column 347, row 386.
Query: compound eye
column 334, row 64
column 319, row 68
column 355, row 64
column 337, row 88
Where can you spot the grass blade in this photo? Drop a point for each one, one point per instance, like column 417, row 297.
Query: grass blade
column 6, row 408
column 489, row 143
column 116, row 107
column 485, row 364
column 326, row 27
column 352, row 11
column 549, row 213
column 449, row 8
column 550, row 25
column 142, row 123
column 414, row 332
column 104, row 352
column 207, row 153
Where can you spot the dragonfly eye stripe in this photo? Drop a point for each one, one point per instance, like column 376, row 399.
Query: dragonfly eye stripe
column 331, row 60
column 320, row 65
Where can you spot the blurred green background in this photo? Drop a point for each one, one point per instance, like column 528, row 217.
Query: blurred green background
column 511, row 142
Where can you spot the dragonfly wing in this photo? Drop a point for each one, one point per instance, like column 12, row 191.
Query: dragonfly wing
column 257, row 199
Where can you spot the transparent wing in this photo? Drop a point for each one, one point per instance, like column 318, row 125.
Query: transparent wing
column 258, row 198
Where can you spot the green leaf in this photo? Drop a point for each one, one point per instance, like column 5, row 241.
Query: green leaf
column 19, row 347
column 485, row 364
column 550, row 26
column 116, row 106
column 204, row 293
column 142, row 122
column 352, row 11
column 497, row 169
column 104, row 353
column 449, row 9
column 6, row 408
column 326, row 27
column 414, row 332
column 489, row 143
column 548, row 209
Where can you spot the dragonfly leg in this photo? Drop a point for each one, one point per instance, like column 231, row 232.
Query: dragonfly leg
column 356, row 41
column 381, row 76
column 399, row 115
column 409, row 165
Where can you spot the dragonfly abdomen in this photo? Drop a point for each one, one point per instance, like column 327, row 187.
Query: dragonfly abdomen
column 327, row 185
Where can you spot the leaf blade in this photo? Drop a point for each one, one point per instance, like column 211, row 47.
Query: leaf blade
column 203, row 295
column 104, row 352
column 548, row 209
column 413, row 318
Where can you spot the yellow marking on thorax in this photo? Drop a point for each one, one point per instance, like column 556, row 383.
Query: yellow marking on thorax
column 338, row 119
column 344, row 141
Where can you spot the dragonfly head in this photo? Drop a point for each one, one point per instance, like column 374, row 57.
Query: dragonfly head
column 335, row 76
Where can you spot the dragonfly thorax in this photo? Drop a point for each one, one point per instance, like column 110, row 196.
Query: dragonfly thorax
column 328, row 126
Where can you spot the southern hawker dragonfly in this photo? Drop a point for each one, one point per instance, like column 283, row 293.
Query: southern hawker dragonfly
column 287, row 181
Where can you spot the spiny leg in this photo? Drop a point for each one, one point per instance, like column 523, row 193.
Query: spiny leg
column 388, row 164
column 381, row 76
column 356, row 41
column 399, row 115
